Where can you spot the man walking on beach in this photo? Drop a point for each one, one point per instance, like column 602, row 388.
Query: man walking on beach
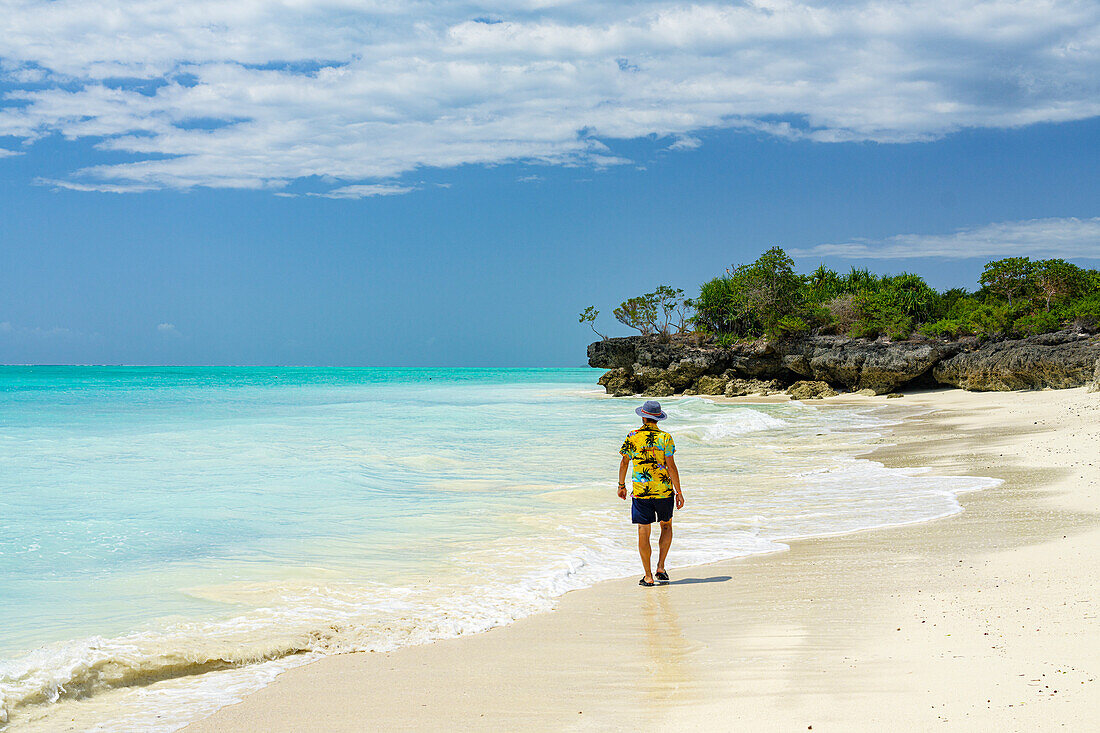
column 656, row 481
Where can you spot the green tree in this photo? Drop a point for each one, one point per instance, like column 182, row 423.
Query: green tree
column 674, row 310
column 658, row 312
column 714, row 311
column 823, row 285
column 1059, row 280
column 859, row 280
column 911, row 295
column 1009, row 278
column 639, row 312
column 588, row 315
column 768, row 290
column 764, row 297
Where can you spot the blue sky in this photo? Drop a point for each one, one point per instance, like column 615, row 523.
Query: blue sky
column 448, row 184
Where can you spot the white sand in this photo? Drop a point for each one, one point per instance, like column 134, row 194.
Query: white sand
column 985, row 621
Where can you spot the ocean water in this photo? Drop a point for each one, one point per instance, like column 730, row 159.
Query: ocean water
column 172, row 538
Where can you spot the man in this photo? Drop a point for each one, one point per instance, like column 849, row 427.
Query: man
column 655, row 480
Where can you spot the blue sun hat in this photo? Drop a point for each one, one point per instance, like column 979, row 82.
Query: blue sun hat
column 652, row 410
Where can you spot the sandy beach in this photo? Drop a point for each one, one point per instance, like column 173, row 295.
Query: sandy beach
column 983, row 621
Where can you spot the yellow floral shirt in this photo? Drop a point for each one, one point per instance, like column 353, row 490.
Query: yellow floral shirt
column 648, row 447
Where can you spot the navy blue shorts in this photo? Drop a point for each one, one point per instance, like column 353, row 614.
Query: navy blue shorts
column 646, row 511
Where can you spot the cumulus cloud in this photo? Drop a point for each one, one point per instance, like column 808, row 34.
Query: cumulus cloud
column 5, row 153
column 168, row 329
column 1067, row 238
column 254, row 94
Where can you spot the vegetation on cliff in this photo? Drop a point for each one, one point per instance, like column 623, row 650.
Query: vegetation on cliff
column 1016, row 297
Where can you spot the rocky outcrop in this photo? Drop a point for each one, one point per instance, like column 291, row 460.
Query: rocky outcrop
column 1051, row 360
column 808, row 390
column 1094, row 385
column 618, row 382
column 687, row 361
column 849, row 363
column 707, row 384
column 861, row 364
column 651, row 366
column 742, row 387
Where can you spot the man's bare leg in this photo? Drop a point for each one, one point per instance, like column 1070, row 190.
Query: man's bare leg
column 645, row 550
column 664, row 542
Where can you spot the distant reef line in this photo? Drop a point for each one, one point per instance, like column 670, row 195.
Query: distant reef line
column 814, row 366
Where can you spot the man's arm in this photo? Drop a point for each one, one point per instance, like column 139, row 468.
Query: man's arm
column 674, row 474
column 623, row 465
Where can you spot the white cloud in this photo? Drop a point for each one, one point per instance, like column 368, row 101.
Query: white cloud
column 533, row 178
column 254, row 94
column 1067, row 238
column 685, row 142
column 101, row 187
column 168, row 329
column 365, row 190
column 5, row 153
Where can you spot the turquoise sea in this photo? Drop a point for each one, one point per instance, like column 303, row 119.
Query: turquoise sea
column 171, row 538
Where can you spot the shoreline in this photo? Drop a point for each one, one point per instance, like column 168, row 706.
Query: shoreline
column 833, row 632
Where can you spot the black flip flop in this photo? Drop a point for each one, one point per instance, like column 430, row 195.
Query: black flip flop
column 661, row 576
column 646, row 583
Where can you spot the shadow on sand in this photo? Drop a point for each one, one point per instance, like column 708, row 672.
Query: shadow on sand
column 689, row 581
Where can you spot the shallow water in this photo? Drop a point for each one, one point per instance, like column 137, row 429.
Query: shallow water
column 159, row 523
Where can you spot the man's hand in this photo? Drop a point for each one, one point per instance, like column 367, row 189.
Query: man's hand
column 622, row 493
column 679, row 500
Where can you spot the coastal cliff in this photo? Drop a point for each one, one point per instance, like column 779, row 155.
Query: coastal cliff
column 814, row 366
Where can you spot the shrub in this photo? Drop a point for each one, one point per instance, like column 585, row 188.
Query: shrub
column 948, row 328
column 951, row 297
column 713, row 307
column 1018, row 297
column 911, row 295
column 1085, row 313
column 726, row 339
column 843, row 312
column 823, row 285
column 880, row 315
column 961, row 308
column 753, row 299
column 859, row 280
column 992, row 320
column 788, row 325
column 1036, row 323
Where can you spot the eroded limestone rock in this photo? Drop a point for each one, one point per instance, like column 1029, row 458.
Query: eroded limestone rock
column 743, row 387
column 710, row 385
column 660, row 389
column 1052, row 360
column 810, row 390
